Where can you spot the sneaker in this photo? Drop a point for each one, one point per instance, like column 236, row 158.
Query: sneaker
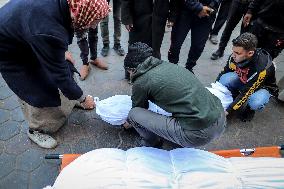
column 41, row 139
column 105, row 50
column 84, row 72
column 119, row 50
column 213, row 39
column 99, row 63
column 216, row 55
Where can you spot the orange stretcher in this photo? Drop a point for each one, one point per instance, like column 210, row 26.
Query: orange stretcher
column 271, row 151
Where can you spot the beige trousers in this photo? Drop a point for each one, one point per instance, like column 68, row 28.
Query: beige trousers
column 48, row 119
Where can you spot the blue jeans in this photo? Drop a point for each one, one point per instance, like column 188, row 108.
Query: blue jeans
column 256, row 101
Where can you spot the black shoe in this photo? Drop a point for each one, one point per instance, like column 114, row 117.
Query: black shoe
column 146, row 143
column 189, row 66
column 191, row 70
column 247, row 114
column 105, row 50
column 119, row 50
column 129, row 130
column 216, row 55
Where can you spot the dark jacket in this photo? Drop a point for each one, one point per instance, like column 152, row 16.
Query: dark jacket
column 149, row 20
column 34, row 36
column 177, row 91
column 259, row 72
column 196, row 6
column 269, row 13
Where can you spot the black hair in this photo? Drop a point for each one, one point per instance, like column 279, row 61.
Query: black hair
column 137, row 53
column 246, row 40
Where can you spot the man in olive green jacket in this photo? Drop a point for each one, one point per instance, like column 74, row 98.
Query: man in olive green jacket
column 197, row 115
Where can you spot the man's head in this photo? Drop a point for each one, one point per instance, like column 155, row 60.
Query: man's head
column 137, row 53
column 244, row 47
column 87, row 13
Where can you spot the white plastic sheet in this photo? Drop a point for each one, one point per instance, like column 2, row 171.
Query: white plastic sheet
column 144, row 167
column 114, row 110
column 222, row 93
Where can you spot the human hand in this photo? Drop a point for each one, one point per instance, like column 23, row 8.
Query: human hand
column 206, row 11
column 129, row 27
column 126, row 125
column 88, row 103
column 68, row 56
column 246, row 19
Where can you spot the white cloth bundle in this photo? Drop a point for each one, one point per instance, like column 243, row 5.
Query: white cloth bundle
column 222, row 93
column 144, row 167
column 114, row 110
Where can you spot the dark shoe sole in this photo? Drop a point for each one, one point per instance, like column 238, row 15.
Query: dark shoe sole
column 216, row 57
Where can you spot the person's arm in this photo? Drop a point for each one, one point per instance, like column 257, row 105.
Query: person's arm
column 50, row 51
column 253, row 8
column 226, row 69
column 194, row 6
column 253, row 84
column 214, row 4
column 139, row 96
column 126, row 15
column 201, row 10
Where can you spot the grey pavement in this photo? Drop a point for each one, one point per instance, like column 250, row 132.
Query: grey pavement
column 22, row 163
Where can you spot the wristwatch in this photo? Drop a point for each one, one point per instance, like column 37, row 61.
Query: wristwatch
column 82, row 99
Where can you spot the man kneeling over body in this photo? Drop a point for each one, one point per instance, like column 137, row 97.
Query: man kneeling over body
column 197, row 115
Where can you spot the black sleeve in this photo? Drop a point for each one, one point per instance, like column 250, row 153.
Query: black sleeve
column 50, row 52
column 254, row 83
column 126, row 16
column 194, row 6
column 215, row 4
column 254, row 7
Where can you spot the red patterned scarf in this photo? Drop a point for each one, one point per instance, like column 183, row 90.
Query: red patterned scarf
column 85, row 12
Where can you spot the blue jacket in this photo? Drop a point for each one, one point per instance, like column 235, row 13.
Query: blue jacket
column 34, row 35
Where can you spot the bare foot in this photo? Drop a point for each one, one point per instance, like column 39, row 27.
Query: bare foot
column 84, row 72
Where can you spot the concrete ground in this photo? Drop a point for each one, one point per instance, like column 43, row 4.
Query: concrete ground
column 22, row 162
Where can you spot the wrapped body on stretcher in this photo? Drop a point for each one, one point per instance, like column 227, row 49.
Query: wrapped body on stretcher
column 145, row 167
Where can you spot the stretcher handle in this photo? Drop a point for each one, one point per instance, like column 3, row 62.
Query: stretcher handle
column 53, row 156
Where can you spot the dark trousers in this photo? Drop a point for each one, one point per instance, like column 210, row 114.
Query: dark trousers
column 269, row 40
column 222, row 16
column 117, row 24
column 200, row 28
column 238, row 10
column 86, row 40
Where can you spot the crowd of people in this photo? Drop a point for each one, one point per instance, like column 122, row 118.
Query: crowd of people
column 36, row 64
